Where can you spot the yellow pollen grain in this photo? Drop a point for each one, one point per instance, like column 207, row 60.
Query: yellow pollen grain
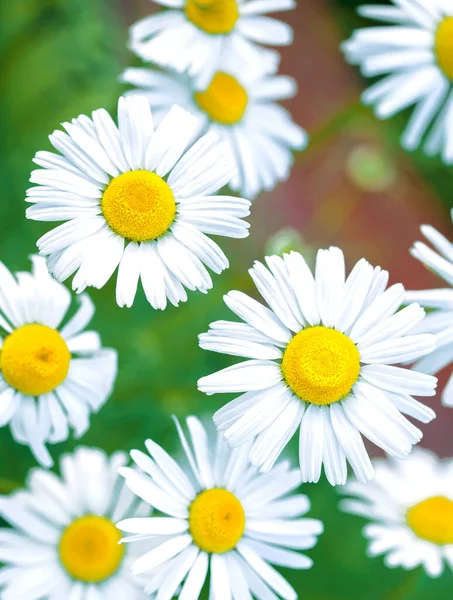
column 89, row 549
column 216, row 520
column 321, row 365
column 217, row 17
column 225, row 100
column 34, row 359
column 432, row 520
column 444, row 46
column 139, row 206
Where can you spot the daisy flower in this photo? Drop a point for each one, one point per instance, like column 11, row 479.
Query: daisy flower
column 132, row 197
column 321, row 360
column 219, row 516
column 63, row 542
column 439, row 321
column 410, row 504
column 195, row 35
column 412, row 51
column 239, row 105
column 53, row 374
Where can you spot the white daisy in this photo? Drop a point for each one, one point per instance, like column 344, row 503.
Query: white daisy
column 411, row 505
column 239, row 105
column 133, row 197
column 439, row 320
column 322, row 361
column 196, row 35
column 413, row 51
column 53, row 374
column 221, row 516
column 63, row 543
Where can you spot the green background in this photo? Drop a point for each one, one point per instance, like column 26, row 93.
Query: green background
column 60, row 58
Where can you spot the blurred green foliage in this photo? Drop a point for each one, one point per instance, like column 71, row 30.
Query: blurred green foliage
column 61, row 58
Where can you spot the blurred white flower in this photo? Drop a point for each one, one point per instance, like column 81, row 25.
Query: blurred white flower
column 239, row 105
column 320, row 360
column 221, row 517
column 64, row 543
column 439, row 321
column 410, row 504
column 194, row 36
column 412, row 51
column 53, row 374
column 134, row 198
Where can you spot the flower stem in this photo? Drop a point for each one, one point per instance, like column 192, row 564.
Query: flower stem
column 404, row 590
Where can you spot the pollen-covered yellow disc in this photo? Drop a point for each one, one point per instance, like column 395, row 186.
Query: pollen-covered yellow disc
column 321, row 365
column 444, row 46
column 139, row 206
column 89, row 549
column 34, row 359
column 216, row 520
column 216, row 17
column 225, row 100
column 432, row 520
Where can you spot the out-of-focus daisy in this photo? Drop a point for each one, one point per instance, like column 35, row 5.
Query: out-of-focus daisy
column 195, row 35
column 239, row 105
column 411, row 505
column 439, row 320
column 133, row 197
column 219, row 516
column 413, row 51
column 321, row 359
column 64, row 542
column 53, row 374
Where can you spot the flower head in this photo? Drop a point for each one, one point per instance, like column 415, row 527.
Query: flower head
column 53, row 374
column 239, row 105
column 410, row 506
column 413, row 53
column 439, row 320
column 63, row 542
column 321, row 360
column 197, row 34
column 220, row 516
column 132, row 197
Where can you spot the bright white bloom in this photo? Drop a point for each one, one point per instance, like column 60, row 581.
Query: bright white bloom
column 196, row 35
column 321, row 360
column 53, row 374
column 411, row 505
column 221, row 517
column 412, row 51
column 133, row 197
column 439, row 321
column 239, row 105
column 63, row 543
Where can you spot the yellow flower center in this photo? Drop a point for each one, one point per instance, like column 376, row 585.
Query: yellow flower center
column 139, row 205
column 225, row 100
column 213, row 16
column 444, row 46
column 432, row 520
column 216, row 520
column 90, row 550
column 34, row 359
column 321, row 365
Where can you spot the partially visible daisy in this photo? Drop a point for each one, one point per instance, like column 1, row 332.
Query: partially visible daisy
column 413, row 53
column 134, row 198
column 195, row 35
column 63, row 543
column 239, row 105
column 410, row 504
column 439, row 320
column 218, row 516
column 53, row 374
column 321, row 360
